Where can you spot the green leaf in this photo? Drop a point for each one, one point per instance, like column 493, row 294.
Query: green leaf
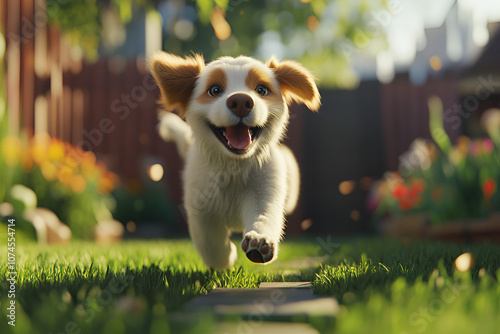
column 205, row 8
column 436, row 124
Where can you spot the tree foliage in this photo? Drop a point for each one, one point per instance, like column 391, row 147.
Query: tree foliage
column 323, row 34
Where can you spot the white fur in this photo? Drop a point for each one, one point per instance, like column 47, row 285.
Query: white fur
column 225, row 192
column 173, row 128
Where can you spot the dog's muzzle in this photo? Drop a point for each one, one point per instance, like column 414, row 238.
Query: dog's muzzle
column 237, row 138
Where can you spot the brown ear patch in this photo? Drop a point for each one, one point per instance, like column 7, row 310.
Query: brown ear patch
column 296, row 82
column 176, row 78
column 218, row 77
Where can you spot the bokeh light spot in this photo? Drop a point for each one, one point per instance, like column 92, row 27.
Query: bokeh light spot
column 435, row 63
column 306, row 224
column 346, row 187
column 221, row 27
column 464, row 262
column 155, row 172
column 184, row 29
column 130, row 226
column 312, row 23
column 355, row 215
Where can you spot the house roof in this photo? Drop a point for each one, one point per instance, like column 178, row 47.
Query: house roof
column 489, row 60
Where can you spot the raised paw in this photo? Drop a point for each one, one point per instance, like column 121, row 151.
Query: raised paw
column 257, row 248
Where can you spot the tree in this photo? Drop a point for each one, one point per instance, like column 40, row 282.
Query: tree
column 322, row 34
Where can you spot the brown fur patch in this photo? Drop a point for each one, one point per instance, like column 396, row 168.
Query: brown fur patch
column 256, row 77
column 216, row 77
column 176, row 78
column 297, row 83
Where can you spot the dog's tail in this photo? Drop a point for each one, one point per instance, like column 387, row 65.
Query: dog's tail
column 173, row 128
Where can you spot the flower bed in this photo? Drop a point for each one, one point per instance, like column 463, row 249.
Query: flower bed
column 418, row 226
column 58, row 176
column 443, row 190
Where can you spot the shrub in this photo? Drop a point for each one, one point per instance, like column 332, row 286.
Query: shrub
column 445, row 181
column 66, row 180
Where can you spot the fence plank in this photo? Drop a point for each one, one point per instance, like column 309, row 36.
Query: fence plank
column 55, row 81
column 115, row 110
column 92, row 136
column 13, row 37
column 28, row 65
column 148, row 113
column 130, row 155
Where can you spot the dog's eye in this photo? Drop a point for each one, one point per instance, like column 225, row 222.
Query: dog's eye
column 262, row 90
column 215, row 90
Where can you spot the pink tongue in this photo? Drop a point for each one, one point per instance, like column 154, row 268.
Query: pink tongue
column 238, row 136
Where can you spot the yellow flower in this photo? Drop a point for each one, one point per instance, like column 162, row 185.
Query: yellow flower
column 49, row 171
column 455, row 156
column 71, row 159
column 463, row 144
column 64, row 174
column 11, row 150
column 39, row 148
column 26, row 160
column 107, row 182
column 88, row 164
column 75, row 155
column 56, row 150
column 78, row 184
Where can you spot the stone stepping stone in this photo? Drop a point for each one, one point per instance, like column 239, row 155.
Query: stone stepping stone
column 271, row 302
column 286, row 285
column 264, row 327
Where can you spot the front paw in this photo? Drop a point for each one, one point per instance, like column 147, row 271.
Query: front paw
column 258, row 248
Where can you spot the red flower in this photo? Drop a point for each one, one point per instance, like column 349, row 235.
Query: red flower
column 405, row 203
column 399, row 190
column 414, row 193
column 489, row 188
column 409, row 197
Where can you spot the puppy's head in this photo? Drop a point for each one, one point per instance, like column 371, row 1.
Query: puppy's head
column 236, row 107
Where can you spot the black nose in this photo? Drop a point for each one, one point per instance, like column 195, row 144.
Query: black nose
column 240, row 104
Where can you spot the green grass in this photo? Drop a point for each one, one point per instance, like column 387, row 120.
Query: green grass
column 138, row 286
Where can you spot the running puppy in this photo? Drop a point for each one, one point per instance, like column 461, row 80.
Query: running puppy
column 237, row 175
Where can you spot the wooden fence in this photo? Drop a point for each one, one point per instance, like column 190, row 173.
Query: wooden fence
column 109, row 107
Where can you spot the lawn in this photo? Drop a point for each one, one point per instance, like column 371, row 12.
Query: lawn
column 139, row 286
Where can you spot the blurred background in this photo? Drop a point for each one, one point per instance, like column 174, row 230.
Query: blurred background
column 406, row 142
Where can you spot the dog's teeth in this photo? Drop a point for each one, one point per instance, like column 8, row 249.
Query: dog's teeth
column 229, row 144
column 224, row 133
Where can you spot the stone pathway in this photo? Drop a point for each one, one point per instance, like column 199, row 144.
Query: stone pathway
column 268, row 309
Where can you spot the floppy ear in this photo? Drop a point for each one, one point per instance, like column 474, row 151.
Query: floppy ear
column 296, row 82
column 176, row 78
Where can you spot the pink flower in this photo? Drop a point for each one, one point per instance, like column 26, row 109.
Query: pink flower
column 372, row 202
column 475, row 148
column 488, row 145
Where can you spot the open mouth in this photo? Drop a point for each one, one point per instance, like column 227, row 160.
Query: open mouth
column 237, row 138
